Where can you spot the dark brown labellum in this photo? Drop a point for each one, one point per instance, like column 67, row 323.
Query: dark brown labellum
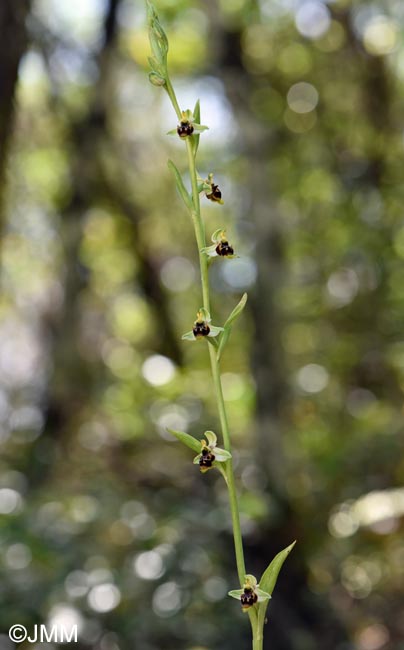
column 184, row 129
column 215, row 194
column 224, row 249
column 200, row 329
column 248, row 598
column 206, row 459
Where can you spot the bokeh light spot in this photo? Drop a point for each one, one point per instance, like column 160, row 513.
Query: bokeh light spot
column 158, row 370
column 302, row 97
column 104, row 597
column 149, row 565
column 312, row 378
column 380, row 36
column 313, row 19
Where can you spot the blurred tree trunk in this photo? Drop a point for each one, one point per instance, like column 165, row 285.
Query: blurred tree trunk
column 74, row 376
column 13, row 44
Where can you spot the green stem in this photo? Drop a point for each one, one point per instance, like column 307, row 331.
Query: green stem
column 217, row 383
column 171, row 93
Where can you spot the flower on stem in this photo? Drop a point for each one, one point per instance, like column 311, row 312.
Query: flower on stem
column 187, row 125
column 221, row 246
column 202, row 327
column 250, row 594
column 210, row 453
column 213, row 192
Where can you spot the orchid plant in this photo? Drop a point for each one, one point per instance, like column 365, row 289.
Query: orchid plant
column 254, row 596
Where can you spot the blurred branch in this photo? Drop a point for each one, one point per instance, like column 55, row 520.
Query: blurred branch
column 12, row 47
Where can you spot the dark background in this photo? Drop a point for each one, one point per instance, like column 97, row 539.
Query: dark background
column 105, row 522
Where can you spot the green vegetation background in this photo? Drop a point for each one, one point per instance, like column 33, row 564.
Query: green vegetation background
column 105, row 521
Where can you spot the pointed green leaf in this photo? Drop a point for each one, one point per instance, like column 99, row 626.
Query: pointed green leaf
column 180, row 185
column 270, row 575
column 269, row 578
column 197, row 112
column 236, row 311
column 229, row 324
column 187, row 440
column 223, row 342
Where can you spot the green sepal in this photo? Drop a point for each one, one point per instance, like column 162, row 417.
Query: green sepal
column 204, row 314
column 221, row 455
column 216, row 235
column 229, row 324
column 186, row 439
column 236, row 593
column 262, row 595
column 195, row 136
column 199, row 128
column 180, row 185
column 210, row 251
column 188, row 336
column 214, row 330
column 197, row 459
column 269, row 578
column 250, row 581
column 211, row 438
column 156, row 80
column 155, row 66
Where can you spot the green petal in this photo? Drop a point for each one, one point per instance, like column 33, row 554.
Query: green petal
column 199, row 128
column 172, row 132
column 250, row 580
column 236, row 593
column 205, row 314
column 197, row 459
column 211, row 438
column 210, row 251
